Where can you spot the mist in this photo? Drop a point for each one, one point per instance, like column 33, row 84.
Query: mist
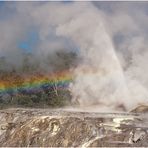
column 107, row 36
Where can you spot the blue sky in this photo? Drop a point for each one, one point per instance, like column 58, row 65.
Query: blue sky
column 30, row 38
column 29, row 42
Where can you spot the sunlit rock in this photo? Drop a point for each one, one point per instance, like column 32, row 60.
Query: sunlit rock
column 141, row 109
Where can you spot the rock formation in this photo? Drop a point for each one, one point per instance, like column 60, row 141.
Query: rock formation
column 59, row 128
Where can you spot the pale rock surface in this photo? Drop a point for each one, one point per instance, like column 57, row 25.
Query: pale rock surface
column 59, row 128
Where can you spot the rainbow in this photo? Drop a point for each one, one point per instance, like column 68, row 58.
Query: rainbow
column 35, row 82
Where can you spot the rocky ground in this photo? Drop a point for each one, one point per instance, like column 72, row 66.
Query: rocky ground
column 44, row 127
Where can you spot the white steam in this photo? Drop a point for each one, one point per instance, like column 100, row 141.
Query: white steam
column 104, row 77
column 99, row 78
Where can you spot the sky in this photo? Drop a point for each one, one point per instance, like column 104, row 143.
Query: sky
column 111, row 36
column 23, row 31
column 127, row 20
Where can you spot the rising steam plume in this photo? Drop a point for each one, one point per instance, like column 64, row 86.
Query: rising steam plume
column 99, row 78
column 103, row 77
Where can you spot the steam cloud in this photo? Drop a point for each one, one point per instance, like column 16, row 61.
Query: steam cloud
column 112, row 46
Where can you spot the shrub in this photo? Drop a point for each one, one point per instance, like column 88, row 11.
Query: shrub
column 63, row 98
column 23, row 101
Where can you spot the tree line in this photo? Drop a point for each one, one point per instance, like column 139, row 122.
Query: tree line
column 45, row 95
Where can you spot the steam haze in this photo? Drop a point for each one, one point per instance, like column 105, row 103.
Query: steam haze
column 109, row 37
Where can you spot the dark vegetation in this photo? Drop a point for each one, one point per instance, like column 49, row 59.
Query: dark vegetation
column 45, row 95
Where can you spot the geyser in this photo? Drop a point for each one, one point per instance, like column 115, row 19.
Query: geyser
column 99, row 78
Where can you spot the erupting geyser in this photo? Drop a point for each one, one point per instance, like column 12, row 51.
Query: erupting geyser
column 99, row 78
